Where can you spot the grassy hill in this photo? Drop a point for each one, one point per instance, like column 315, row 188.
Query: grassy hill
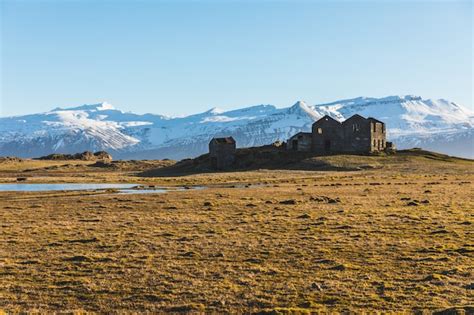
column 277, row 158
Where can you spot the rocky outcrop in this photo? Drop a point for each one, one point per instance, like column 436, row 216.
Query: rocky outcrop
column 84, row 156
column 10, row 159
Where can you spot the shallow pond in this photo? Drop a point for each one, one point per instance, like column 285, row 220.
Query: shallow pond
column 141, row 190
column 121, row 188
column 65, row 186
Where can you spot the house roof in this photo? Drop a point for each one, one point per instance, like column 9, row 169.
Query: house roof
column 225, row 140
column 326, row 118
column 301, row 133
column 362, row 117
column 355, row 116
column 376, row 120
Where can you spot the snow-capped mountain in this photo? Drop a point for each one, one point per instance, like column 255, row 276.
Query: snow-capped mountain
column 437, row 125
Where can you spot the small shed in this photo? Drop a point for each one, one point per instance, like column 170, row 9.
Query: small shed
column 300, row 142
column 390, row 146
column 222, row 152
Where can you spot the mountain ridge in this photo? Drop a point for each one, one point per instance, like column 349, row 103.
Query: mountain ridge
column 411, row 121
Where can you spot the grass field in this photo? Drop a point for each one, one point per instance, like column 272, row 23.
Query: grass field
column 396, row 235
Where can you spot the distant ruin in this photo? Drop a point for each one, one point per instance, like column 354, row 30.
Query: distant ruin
column 222, row 152
column 357, row 134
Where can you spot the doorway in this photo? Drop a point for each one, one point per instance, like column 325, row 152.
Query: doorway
column 294, row 145
column 327, row 145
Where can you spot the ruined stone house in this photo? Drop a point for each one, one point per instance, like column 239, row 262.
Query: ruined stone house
column 300, row 142
column 222, row 152
column 354, row 135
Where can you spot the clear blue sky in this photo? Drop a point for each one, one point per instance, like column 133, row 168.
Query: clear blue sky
column 183, row 57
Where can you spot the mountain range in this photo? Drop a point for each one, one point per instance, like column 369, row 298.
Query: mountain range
column 438, row 125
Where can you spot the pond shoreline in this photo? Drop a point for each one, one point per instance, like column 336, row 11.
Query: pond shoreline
column 104, row 187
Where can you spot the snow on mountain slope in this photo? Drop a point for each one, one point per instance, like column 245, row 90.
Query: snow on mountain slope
column 411, row 121
column 405, row 115
column 63, row 130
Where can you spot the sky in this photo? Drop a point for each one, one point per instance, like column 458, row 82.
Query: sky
column 184, row 57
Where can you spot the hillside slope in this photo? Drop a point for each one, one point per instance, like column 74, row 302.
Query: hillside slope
column 270, row 157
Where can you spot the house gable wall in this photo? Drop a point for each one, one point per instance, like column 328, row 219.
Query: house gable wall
column 357, row 134
column 378, row 135
column 327, row 136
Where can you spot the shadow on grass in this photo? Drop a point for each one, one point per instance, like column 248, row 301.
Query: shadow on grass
column 278, row 158
column 257, row 158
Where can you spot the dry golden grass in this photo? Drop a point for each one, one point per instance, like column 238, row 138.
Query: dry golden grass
column 75, row 171
column 395, row 239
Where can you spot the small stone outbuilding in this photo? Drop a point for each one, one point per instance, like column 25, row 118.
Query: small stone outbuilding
column 300, row 142
column 390, row 146
column 222, row 152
